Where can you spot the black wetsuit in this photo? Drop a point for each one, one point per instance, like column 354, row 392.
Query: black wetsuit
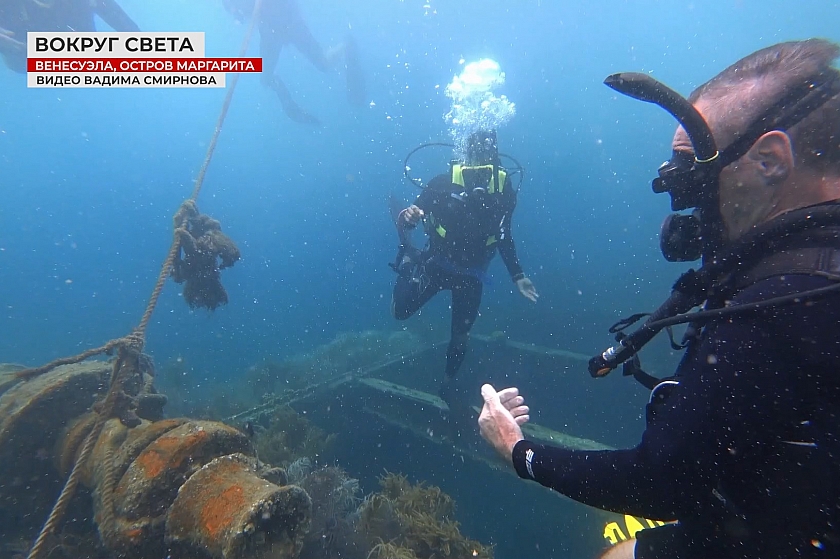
column 744, row 452
column 21, row 16
column 281, row 24
column 457, row 260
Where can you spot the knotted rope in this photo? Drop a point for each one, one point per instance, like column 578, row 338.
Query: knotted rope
column 130, row 346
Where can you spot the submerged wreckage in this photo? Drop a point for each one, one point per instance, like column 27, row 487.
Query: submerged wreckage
column 190, row 488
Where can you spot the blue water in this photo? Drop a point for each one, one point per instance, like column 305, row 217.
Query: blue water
column 91, row 178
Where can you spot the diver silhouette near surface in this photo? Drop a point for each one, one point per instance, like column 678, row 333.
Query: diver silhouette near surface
column 17, row 17
column 280, row 24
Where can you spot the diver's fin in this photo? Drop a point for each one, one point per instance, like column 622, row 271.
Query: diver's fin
column 356, row 92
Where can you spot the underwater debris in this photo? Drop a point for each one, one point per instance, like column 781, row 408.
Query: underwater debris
column 202, row 252
column 190, row 487
column 346, row 353
column 32, row 419
column 230, row 512
column 290, row 436
column 136, row 478
column 354, row 350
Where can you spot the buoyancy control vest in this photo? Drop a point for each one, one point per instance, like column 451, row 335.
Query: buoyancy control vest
column 479, row 190
column 806, row 241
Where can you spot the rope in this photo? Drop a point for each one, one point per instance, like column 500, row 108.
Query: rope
column 27, row 374
column 134, row 341
column 67, row 492
column 107, row 521
column 199, row 180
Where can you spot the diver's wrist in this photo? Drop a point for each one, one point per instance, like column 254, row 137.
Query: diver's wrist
column 517, row 277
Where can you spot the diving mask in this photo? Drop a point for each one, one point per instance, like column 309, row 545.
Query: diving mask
column 692, row 181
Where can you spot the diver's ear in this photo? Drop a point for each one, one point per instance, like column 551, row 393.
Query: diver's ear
column 773, row 153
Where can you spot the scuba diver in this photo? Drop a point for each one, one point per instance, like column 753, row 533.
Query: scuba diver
column 467, row 215
column 741, row 445
column 281, row 23
column 17, row 17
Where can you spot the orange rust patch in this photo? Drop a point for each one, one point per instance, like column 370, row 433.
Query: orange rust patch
column 151, row 463
column 168, row 452
column 217, row 514
column 133, row 533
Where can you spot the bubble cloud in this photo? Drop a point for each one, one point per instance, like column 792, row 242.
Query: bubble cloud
column 474, row 105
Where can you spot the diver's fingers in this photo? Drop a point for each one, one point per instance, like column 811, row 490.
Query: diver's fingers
column 489, row 393
column 507, row 394
column 514, row 402
column 522, row 419
column 519, row 411
column 412, row 214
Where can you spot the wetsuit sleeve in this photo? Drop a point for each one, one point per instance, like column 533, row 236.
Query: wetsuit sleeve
column 426, row 199
column 727, row 403
column 507, row 247
column 614, row 480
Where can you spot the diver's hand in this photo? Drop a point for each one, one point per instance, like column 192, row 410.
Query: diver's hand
column 410, row 216
column 500, row 419
column 527, row 289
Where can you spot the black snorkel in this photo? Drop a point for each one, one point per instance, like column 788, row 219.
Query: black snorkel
column 695, row 184
column 691, row 288
column 645, row 88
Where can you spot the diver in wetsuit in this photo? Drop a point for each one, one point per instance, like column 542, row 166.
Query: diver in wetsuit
column 742, row 445
column 281, row 23
column 17, row 17
column 467, row 214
